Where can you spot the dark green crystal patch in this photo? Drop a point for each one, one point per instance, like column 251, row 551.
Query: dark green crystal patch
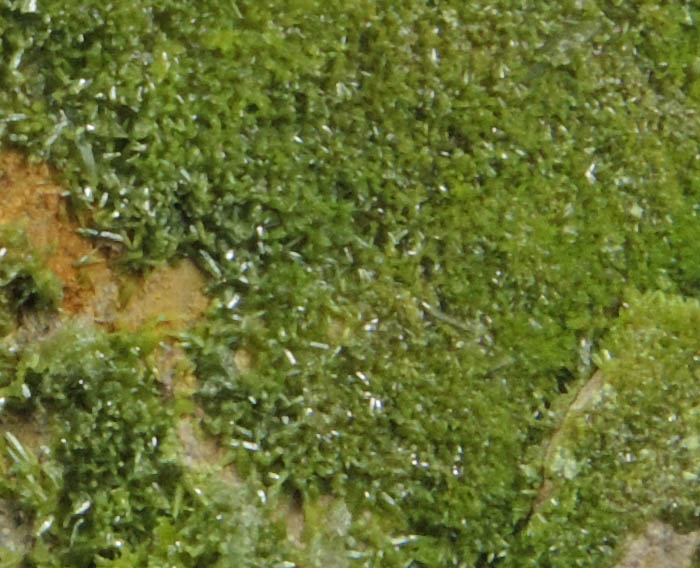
column 419, row 223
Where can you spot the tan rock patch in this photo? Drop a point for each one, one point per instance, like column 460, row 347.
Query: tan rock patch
column 32, row 197
column 660, row 547
column 244, row 359
column 170, row 296
column 15, row 533
column 175, row 369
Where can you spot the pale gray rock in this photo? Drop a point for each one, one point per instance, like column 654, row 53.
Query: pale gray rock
column 660, row 547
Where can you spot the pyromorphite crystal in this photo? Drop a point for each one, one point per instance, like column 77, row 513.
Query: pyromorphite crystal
column 25, row 283
column 417, row 222
column 629, row 454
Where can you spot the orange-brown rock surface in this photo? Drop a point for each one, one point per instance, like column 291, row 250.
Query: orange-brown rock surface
column 172, row 295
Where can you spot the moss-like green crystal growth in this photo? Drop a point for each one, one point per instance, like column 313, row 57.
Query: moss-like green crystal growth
column 419, row 221
column 632, row 453
column 25, row 282
column 109, row 488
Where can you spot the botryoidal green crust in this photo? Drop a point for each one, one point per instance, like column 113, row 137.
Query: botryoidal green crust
column 419, row 221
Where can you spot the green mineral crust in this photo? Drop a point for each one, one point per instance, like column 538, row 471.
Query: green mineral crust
column 451, row 256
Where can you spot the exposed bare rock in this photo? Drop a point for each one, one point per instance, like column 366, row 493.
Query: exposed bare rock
column 32, row 198
column 172, row 296
column 243, row 359
column 15, row 536
column 660, row 547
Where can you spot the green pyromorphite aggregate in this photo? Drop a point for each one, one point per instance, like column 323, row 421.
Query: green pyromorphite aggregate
column 107, row 488
column 633, row 453
column 24, row 281
column 419, row 220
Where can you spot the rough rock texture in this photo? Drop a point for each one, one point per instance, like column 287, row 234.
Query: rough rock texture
column 14, row 530
column 660, row 547
column 170, row 298
column 92, row 287
column 32, row 198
